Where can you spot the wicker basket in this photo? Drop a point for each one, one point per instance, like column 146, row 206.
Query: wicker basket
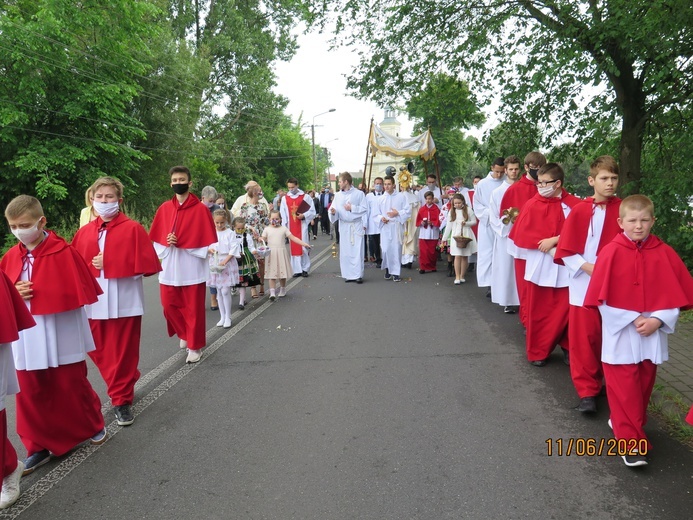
column 462, row 242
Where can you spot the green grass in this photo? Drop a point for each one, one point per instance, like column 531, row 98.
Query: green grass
column 671, row 409
column 686, row 316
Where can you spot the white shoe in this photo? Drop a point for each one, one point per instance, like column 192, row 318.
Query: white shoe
column 183, row 344
column 458, row 282
column 282, row 292
column 462, row 280
column 220, row 323
column 10, row 486
column 227, row 323
column 193, row 356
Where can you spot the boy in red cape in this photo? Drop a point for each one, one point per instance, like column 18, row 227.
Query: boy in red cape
column 119, row 253
column 590, row 226
column 56, row 407
column 182, row 231
column 15, row 317
column 515, row 197
column 639, row 284
column 535, row 234
column 428, row 222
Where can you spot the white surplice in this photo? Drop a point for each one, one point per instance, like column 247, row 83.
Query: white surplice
column 351, row 230
column 485, row 235
column 392, row 231
column 503, row 283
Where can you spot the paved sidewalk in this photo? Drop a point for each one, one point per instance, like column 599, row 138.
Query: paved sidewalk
column 676, row 375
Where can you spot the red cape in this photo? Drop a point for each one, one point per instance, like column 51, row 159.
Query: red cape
column 128, row 251
column 15, row 315
column 577, row 225
column 518, row 194
column 191, row 221
column 641, row 279
column 62, row 281
column 296, row 205
column 540, row 218
column 432, row 214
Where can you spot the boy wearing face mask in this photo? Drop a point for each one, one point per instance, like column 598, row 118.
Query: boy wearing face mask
column 57, row 407
column 515, row 197
column 182, row 231
column 431, row 186
column 119, row 253
column 535, row 233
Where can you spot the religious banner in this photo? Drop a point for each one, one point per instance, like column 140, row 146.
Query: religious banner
column 421, row 145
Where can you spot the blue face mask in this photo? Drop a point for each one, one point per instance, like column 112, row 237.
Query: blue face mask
column 379, row 188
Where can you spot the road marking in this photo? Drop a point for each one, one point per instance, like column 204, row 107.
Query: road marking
column 79, row 455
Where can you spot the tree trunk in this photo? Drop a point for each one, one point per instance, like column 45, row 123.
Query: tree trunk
column 631, row 146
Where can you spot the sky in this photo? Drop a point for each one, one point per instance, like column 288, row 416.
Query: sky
column 314, row 82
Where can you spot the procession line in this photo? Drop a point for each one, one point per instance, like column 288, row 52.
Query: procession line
column 79, row 455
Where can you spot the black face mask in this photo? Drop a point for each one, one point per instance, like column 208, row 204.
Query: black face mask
column 534, row 173
column 180, row 189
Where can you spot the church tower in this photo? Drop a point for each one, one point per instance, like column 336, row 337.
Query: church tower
column 381, row 161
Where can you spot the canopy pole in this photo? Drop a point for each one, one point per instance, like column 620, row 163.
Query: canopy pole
column 365, row 164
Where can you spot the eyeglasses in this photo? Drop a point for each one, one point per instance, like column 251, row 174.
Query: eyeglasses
column 545, row 183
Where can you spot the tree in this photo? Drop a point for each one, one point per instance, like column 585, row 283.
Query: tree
column 66, row 94
column 578, row 68
column 445, row 106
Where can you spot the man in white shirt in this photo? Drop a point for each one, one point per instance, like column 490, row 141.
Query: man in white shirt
column 392, row 212
column 348, row 209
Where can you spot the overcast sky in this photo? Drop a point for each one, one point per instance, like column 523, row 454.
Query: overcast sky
column 314, row 82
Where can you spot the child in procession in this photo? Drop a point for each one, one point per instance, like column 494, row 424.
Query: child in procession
column 223, row 265
column 459, row 223
column 57, row 408
column 247, row 263
column 639, row 306
column 428, row 222
column 278, row 264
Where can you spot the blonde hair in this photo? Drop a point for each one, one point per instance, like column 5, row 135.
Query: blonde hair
column 87, row 196
column 221, row 212
column 24, row 205
column 636, row 203
column 107, row 182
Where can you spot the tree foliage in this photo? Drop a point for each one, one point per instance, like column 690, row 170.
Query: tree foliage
column 583, row 69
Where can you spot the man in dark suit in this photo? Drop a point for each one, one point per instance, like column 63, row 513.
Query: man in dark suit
column 326, row 198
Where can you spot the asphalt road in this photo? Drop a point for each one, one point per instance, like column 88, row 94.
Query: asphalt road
column 385, row 400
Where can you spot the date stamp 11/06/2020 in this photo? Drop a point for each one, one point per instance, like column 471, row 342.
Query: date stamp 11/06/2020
column 594, row 447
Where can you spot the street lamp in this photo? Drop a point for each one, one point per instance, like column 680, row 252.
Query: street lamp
column 312, row 134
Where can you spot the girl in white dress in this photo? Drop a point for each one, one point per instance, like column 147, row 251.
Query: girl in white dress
column 459, row 223
column 223, row 267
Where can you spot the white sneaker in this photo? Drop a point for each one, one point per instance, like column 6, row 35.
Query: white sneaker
column 462, row 280
column 193, row 356
column 227, row 323
column 183, row 344
column 10, row 486
column 220, row 323
column 458, row 282
column 282, row 292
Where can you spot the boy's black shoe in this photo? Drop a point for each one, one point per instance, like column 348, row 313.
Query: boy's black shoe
column 387, row 274
column 396, row 278
column 566, row 356
column 539, row 363
column 124, row 415
column 587, row 405
column 633, row 461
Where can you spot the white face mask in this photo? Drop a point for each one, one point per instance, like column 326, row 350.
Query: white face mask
column 294, row 191
column 107, row 209
column 28, row 236
column 546, row 191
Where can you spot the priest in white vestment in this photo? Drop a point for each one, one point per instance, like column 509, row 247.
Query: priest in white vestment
column 349, row 208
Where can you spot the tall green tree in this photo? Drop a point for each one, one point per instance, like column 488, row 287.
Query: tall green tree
column 68, row 76
column 582, row 68
column 446, row 106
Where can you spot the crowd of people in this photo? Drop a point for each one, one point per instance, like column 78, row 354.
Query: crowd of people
column 586, row 275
